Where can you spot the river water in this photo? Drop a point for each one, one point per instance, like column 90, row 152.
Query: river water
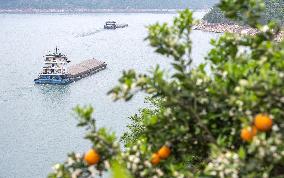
column 37, row 126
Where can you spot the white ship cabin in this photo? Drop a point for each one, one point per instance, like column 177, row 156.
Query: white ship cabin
column 55, row 64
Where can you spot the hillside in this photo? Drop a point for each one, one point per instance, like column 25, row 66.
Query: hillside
column 106, row 4
column 274, row 10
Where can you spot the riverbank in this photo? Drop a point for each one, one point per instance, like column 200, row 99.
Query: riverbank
column 231, row 28
column 31, row 11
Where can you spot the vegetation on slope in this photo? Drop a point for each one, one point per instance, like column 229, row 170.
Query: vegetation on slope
column 274, row 11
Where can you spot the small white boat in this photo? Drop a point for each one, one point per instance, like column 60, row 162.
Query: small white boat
column 112, row 25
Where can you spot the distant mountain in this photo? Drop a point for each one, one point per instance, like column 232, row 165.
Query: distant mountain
column 274, row 11
column 106, row 4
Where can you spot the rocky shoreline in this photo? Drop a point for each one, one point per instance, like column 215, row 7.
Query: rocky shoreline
column 231, row 28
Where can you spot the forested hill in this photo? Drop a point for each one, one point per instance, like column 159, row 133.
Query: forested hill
column 106, row 4
column 274, row 11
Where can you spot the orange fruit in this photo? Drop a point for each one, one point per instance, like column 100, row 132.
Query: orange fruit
column 247, row 134
column 155, row 159
column 164, row 152
column 263, row 122
column 92, row 157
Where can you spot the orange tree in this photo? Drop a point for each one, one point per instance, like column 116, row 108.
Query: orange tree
column 223, row 118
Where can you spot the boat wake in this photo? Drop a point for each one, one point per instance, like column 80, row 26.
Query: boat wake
column 89, row 33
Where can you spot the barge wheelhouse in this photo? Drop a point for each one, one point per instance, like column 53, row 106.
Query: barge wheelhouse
column 54, row 70
column 110, row 25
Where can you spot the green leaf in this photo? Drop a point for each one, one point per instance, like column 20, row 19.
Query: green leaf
column 119, row 171
column 242, row 153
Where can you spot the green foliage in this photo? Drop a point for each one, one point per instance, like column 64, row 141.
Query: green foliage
column 104, row 143
column 274, row 10
column 119, row 171
column 138, row 122
column 200, row 113
column 201, row 109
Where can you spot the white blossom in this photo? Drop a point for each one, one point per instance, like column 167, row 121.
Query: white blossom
column 243, row 82
column 199, row 82
column 56, row 167
column 76, row 173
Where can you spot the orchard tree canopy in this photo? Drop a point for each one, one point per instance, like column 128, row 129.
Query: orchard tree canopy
column 223, row 118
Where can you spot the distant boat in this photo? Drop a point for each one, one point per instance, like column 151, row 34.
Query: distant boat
column 112, row 25
column 55, row 69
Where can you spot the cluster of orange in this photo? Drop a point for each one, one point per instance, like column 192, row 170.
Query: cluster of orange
column 262, row 123
column 92, row 157
column 163, row 153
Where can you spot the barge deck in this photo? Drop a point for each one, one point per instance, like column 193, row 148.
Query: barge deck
column 85, row 69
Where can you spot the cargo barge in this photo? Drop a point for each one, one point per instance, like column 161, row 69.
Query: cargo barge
column 55, row 70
